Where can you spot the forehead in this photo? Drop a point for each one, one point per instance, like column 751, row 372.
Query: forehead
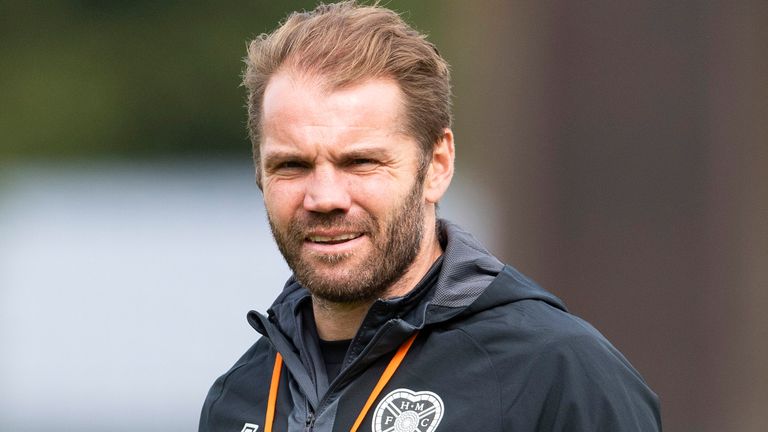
column 302, row 99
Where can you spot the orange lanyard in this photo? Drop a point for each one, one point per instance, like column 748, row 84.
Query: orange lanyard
column 383, row 380
column 273, row 393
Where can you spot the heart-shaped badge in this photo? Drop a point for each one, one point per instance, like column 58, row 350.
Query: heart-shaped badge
column 404, row 410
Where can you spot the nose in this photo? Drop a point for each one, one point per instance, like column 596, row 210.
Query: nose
column 326, row 191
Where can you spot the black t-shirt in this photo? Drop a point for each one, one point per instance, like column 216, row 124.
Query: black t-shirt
column 333, row 355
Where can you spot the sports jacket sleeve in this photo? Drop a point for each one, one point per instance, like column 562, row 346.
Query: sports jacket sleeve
column 583, row 384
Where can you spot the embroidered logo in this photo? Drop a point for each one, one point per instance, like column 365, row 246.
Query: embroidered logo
column 250, row 427
column 404, row 410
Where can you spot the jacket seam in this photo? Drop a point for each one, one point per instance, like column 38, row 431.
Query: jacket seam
column 221, row 393
column 224, row 381
column 488, row 359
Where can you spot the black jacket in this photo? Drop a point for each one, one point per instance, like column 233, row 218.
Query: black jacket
column 494, row 352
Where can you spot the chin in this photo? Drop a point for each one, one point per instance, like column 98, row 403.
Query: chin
column 337, row 285
column 331, row 259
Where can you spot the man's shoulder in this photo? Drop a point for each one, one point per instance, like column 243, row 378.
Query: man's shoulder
column 530, row 326
column 522, row 326
column 545, row 357
column 249, row 366
column 514, row 308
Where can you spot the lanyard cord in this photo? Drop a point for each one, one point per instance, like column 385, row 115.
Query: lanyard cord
column 383, row 380
column 273, row 393
column 388, row 372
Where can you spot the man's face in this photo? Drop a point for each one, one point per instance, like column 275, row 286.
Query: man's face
column 341, row 185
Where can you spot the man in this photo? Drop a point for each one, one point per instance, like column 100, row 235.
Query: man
column 394, row 320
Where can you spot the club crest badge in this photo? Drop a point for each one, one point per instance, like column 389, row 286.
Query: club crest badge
column 404, row 410
column 250, row 427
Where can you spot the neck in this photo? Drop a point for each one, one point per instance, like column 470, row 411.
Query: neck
column 340, row 321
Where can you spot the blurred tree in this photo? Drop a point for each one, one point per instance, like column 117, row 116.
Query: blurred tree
column 130, row 79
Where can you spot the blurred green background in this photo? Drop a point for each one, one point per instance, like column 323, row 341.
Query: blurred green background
column 137, row 79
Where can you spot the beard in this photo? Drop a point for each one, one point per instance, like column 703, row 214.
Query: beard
column 395, row 244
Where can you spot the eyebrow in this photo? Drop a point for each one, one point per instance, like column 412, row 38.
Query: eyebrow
column 365, row 152
column 374, row 151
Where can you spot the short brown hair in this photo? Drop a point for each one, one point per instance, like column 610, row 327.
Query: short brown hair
column 346, row 43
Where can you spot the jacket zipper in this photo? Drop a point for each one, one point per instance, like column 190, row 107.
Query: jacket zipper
column 309, row 424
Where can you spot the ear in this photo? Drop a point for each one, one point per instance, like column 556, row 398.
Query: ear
column 440, row 169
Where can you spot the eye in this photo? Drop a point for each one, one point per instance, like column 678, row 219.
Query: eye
column 286, row 167
column 290, row 164
column 362, row 165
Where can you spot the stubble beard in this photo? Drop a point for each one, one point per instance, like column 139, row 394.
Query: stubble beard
column 395, row 247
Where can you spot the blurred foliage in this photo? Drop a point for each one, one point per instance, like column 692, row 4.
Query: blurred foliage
column 134, row 78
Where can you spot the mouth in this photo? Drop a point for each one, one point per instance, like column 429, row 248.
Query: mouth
column 333, row 239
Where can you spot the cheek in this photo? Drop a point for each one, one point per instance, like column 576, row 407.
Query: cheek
column 380, row 196
column 367, row 190
column 281, row 200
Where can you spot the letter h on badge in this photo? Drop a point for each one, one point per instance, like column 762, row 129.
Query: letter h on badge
column 250, row 427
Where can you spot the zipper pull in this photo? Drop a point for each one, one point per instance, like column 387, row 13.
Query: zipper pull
column 310, row 423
